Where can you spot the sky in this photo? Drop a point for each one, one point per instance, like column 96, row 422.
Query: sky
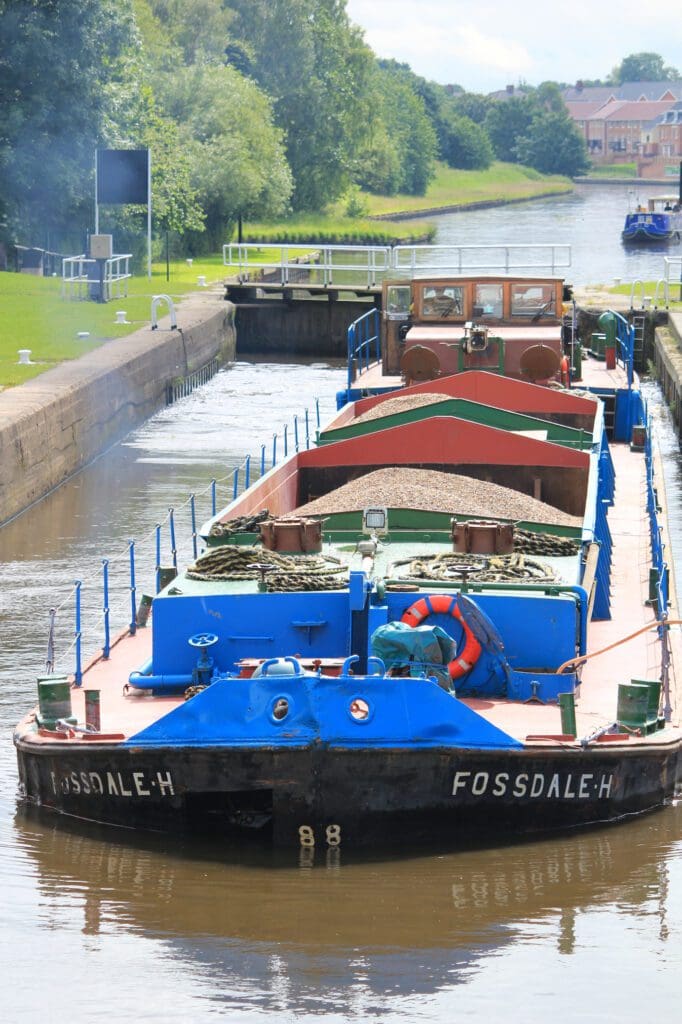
column 485, row 45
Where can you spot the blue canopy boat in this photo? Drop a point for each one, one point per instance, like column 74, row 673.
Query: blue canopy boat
column 660, row 221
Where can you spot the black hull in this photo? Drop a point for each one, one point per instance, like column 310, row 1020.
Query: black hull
column 354, row 798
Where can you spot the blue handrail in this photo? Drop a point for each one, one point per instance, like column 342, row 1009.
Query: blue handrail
column 364, row 343
column 625, row 338
column 659, row 563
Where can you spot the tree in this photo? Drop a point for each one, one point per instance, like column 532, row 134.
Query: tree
column 472, row 105
column 643, row 67
column 236, row 153
column 56, row 60
column 192, row 29
column 175, row 201
column 316, row 68
column 506, row 122
column 553, row 145
column 465, row 144
column 401, row 146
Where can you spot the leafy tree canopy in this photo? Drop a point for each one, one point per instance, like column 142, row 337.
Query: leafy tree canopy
column 316, row 68
column 643, row 67
column 57, row 59
column 236, row 153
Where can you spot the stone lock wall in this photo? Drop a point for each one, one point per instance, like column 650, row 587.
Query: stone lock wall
column 55, row 424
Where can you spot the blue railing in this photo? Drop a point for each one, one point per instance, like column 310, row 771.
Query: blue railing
column 625, row 344
column 659, row 581
column 364, row 344
column 91, row 600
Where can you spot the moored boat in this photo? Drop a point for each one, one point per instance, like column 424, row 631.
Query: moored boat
column 657, row 222
column 446, row 619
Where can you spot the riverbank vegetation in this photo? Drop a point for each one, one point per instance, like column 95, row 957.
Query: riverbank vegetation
column 253, row 111
column 613, row 171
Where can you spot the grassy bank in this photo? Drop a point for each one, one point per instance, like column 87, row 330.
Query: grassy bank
column 450, row 189
column 36, row 317
column 612, row 171
column 500, row 183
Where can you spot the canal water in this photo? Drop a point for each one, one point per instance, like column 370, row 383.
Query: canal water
column 590, row 220
column 101, row 925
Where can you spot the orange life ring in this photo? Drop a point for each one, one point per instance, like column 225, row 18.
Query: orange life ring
column 442, row 604
column 565, row 371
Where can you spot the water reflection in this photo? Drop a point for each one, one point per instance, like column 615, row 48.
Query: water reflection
column 314, row 930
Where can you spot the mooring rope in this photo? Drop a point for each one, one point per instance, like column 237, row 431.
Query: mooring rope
column 514, row 568
column 236, row 562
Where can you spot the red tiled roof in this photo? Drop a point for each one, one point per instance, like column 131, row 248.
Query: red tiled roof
column 625, row 110
column 580, row 111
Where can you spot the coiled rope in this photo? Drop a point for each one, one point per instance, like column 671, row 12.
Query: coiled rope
column 515, row 568
column 290, row 572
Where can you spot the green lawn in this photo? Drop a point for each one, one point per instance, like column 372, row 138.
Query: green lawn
column 36, row 317
column 500, row 182
column 612, row 171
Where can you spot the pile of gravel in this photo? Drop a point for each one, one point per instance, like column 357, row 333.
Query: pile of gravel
column 431, row 490
column 401, row 403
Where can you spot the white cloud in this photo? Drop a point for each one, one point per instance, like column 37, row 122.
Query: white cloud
column 484, row 45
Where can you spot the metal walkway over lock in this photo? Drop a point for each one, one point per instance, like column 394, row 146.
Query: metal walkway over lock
column 352, row 267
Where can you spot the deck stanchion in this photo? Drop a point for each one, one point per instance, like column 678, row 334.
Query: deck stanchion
column 286, row 440
column 317, row 412
column 295, row 433
column 235, row 483
column 171, row 528
column 307, row 430
column 49, row 658
column 78, row 673
column 193, row 514
column 158, row 557
column 133, row 590
column 105, row 607
column 214, row 507
column 274, row 449
column 262, row 460
column 247, row 472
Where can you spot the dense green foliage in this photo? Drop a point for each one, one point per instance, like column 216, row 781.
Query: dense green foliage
column 643, row 67
column 252, row 110
column 536, row 130
column 57, row 61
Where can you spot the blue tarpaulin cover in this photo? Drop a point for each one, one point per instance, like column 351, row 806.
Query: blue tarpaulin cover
column 424, row 650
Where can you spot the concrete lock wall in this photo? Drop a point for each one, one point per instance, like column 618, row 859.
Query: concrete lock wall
column 668, row 365
column 54, row 425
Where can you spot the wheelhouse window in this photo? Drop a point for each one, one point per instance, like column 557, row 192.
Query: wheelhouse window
column 532, row 300
column 442, row 302
column 398, row 301
column 488, row 300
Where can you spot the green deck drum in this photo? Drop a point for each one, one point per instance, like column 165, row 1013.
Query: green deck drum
column 598, row 344
column 54, row 700
column 633, row 705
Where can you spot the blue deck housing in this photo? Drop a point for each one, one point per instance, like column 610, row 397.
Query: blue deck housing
column 402, row 712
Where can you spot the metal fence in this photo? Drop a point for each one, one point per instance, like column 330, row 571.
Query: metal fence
column 84, row 278
column 291, row 264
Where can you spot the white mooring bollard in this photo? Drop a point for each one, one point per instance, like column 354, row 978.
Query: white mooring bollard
column 121, row 316
column 24, row 357
column 201, row 281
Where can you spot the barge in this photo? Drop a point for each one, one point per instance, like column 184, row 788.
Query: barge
column 446, row 620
